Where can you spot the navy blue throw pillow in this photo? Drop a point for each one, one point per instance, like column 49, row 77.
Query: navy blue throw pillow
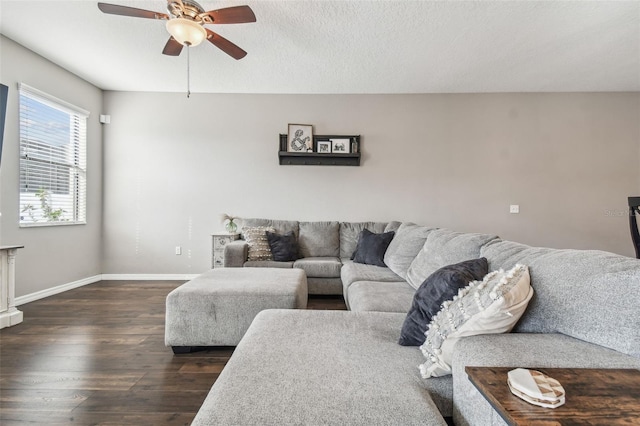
column 439, row 287
column 372, row 247
column 284, row 248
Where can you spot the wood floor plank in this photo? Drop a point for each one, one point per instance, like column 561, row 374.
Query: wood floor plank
column 22, row 417
column 201, row 367
column 80, row 380
column 141, row 401
column 92, row 329
column 95, row 355
column 168, row 381
column 42, row 399
column 11, row 342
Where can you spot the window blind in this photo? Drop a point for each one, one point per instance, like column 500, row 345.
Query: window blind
column 53, row 169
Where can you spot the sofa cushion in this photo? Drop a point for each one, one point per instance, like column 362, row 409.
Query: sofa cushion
column 490, row 306
column 256, row 238
column 441, row 286
column 404, row 247
column 324, row 285
column 267, row 264
column 602, row 288
column 284, row 248
column 319, row 267
column 392, row 226
column 280, row 226
column 371, row 247
column 444, row 247
column 319, row 239
column 352, row 272
column 380, row 296
column 324, row 367
column 350, row 232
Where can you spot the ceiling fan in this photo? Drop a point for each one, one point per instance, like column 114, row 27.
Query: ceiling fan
column 185, row 23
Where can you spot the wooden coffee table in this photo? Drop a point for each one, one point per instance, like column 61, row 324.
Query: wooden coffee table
column 593, row 396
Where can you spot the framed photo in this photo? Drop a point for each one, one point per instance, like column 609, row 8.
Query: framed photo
column 300, row 138
column 341, row 146
column 324, row 147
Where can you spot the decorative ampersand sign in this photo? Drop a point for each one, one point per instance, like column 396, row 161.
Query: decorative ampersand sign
column 297, row 143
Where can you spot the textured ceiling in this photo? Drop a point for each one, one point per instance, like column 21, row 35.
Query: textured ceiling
column 349, row 46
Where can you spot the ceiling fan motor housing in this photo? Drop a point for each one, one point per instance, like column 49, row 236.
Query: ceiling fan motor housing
column 188, row 9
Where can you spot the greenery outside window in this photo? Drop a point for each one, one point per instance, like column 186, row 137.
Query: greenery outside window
column 53, row 181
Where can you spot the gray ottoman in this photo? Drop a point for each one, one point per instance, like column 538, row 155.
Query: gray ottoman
column 217, row 307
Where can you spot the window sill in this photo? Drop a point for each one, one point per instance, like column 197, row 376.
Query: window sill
column 48, row 224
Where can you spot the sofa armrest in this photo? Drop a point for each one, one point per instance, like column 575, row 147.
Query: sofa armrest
column 235, row 254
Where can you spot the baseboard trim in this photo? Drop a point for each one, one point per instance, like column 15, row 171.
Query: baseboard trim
column 32, row 297
column 149, row 277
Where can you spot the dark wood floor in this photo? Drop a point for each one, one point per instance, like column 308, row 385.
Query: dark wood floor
column 96, row 355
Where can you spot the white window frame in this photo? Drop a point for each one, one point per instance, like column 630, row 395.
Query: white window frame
column 71, row 164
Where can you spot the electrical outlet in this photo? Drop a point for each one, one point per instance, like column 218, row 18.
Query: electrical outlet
column 514, row 208
column 178, row 250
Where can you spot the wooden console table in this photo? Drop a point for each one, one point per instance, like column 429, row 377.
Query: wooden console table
column 9, row 315
column 593, row 396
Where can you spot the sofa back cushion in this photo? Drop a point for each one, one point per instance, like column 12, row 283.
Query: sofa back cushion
column 349, row 233
column 319, row 239
column 587, row 294
column 444, row 247
column 404, row 247
column 392, row 226
column 281, row 226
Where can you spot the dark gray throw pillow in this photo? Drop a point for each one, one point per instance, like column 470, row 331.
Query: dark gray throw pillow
column 371, row 247
column 284, row 248
column 439, row 287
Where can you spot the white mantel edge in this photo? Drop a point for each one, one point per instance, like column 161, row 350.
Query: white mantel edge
column 11, row 317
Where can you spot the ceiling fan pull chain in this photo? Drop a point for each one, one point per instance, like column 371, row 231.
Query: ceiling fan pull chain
column 188, row 73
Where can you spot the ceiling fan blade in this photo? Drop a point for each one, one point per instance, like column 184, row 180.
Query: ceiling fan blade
column 115, row 9
column 231, row 15
column 172, row 48
column 225, row 45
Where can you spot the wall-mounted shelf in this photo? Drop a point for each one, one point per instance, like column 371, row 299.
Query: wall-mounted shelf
column 315, row 158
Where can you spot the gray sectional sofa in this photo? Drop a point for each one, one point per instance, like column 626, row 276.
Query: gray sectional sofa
column 323, row 248
column 330, row 367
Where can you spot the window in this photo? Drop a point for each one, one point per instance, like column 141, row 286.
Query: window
column 53, row 183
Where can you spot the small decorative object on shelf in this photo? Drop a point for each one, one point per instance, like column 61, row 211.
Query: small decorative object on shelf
column 354, row 145
column 229, row 223
column 327, row 150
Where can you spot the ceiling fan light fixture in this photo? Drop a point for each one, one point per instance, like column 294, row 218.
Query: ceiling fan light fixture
column 186, row 31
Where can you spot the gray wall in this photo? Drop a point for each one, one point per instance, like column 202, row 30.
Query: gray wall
column 52, row 255
column 173, row 165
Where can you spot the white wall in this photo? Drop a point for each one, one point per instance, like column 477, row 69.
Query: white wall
column 59, row 255
column 172, row 165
